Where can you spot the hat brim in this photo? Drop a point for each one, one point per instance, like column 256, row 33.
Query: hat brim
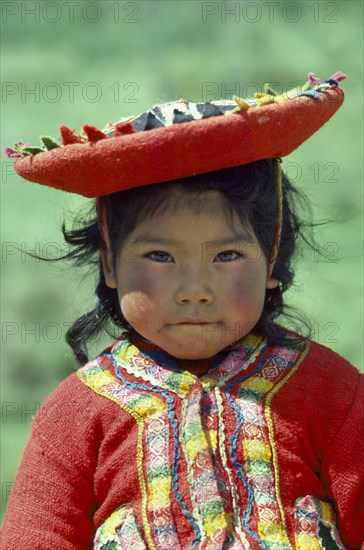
column 181, row 150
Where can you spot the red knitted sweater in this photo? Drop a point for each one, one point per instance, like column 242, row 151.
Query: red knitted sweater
column 263, row 451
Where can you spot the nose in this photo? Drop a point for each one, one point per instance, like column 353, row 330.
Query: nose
column 194, row 286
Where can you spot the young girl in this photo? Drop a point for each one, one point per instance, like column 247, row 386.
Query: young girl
column 205, row 424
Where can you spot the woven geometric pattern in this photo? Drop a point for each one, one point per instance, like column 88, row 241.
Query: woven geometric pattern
column 230, row 494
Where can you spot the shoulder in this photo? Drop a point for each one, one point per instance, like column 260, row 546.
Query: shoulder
column 320, row 364
column 73, row 402
column 323, row 366
column 319, row 400
column 321, row 380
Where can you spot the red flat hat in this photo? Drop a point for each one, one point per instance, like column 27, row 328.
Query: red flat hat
column 179, row 139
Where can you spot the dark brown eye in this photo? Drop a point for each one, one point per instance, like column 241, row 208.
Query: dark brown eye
column 228, row 256
column 159, row 256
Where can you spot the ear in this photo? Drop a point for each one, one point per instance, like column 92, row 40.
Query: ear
column 107, row 266
column 272, row 283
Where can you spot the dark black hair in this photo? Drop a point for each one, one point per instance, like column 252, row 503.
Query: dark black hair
column 249, row 190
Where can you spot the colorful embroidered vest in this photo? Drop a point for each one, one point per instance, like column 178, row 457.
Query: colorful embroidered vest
column 219, row 428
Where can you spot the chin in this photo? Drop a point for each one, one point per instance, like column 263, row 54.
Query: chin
column 192, row 353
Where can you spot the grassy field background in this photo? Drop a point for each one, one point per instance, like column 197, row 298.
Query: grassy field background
column 94, row 62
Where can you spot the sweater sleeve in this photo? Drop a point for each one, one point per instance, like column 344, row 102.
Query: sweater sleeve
column 51, row 504
column 342, row 466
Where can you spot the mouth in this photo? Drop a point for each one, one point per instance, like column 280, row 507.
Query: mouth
column 195, row 321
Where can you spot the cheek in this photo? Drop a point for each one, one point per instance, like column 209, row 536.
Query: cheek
column 139, row 292
column 246, row 290
column 135, row 307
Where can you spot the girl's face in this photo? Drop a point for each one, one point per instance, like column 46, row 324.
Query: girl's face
column 191, row 281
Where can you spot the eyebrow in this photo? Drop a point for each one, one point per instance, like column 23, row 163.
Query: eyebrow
column 146, row 238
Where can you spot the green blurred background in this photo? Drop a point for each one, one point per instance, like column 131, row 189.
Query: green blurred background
column 93, row 62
